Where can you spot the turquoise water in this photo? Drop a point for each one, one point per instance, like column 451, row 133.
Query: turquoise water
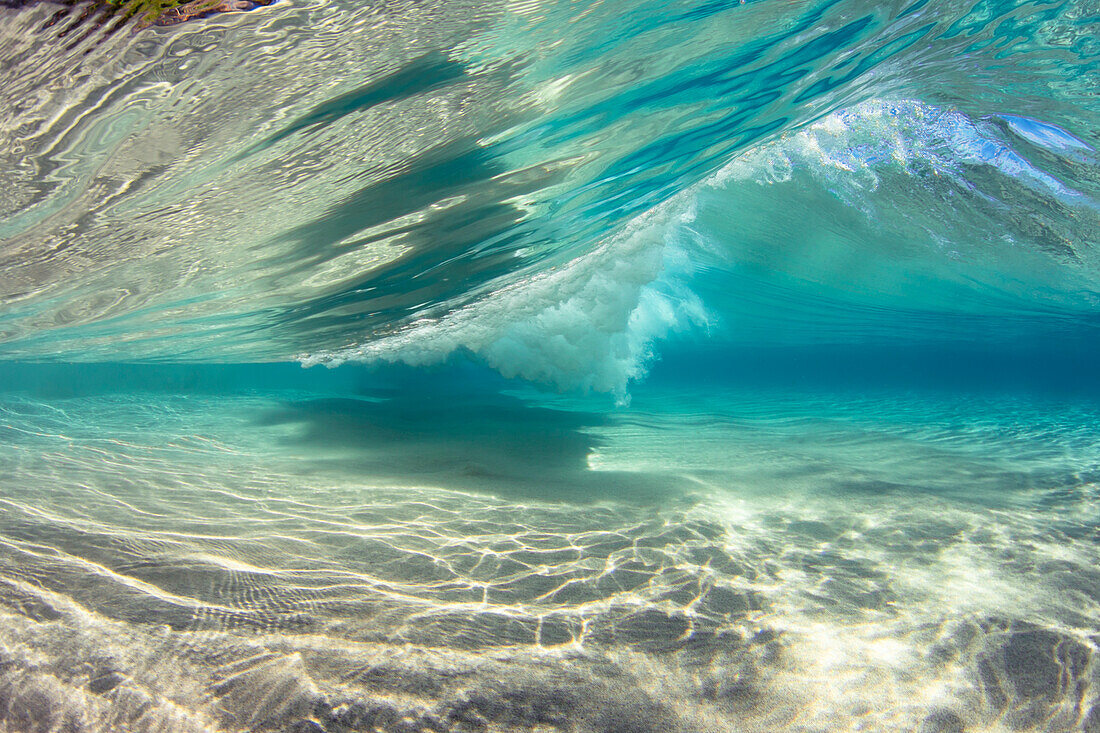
column 595, row 367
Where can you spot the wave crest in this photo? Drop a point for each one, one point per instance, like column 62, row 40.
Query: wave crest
column 589, row 324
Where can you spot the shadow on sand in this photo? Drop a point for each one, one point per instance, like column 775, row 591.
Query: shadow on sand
column 485, row 442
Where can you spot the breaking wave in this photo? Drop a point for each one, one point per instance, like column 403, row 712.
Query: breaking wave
column 553, row 190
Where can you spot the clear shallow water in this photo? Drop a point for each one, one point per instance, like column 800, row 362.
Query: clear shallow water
column 700, row 367
column 446, row 551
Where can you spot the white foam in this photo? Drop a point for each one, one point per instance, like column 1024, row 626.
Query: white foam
column 591, row 324
column 849, row 146
column 588, row 325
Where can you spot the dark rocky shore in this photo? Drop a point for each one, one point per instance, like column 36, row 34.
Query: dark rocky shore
column 113, row 14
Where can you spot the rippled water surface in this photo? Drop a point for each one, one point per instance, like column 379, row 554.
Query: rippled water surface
column 310, row 179
column 697, row 366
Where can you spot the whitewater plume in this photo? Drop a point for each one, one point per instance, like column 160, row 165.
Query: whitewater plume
column 588, row 324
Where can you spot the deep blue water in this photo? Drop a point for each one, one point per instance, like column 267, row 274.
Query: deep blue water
column 595, row 367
